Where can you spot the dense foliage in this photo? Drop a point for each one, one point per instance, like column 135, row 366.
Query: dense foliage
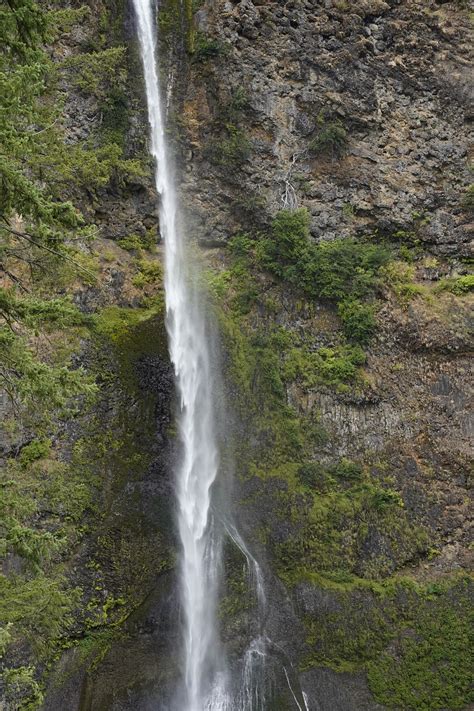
column 34, row 221
column 329, row 270
column 343, row 271
column 46, row 256
column 43, row 236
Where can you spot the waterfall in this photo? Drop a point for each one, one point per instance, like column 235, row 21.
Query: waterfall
column 204, row 677
column 206, row 686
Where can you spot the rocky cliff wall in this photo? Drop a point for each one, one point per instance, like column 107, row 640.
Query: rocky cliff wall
column 360, row 114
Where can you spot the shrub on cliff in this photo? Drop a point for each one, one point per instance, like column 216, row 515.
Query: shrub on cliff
column 330, row 139
column 327, row 270
column 358, row 320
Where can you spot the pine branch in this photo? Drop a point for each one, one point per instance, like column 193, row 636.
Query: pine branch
column 61, row 255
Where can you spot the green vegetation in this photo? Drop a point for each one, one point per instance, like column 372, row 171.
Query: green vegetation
column 43, row 250
column 27, row 131
column 148, row 272
column 43, row 504
column 327, row 270
column 25, row 378
column 177, row 19
column 429, row 666
column 331, row 138
column 358, row 320
column 400, row 275
column 344, row 508
column 347, row 530
column 340, row 525
column 344, row 272
column 97, row 72
column 413, row 639
column 233, row 149
column 331, row 366
column 205, row 48
column 48, row 505
column 57, row 485
column 136, row 242
column 22, row 689
column 457, row 285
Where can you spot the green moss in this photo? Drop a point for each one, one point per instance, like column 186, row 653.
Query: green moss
column 429, row 664
column 331, row 366
column 95, row 645
column 414, row 642
column 346, row 527
column 133, row 332
column 48, row 505
column 22, row 691
column 238, row 597
column 148, row 272
column 344, row 508
column 175, row 19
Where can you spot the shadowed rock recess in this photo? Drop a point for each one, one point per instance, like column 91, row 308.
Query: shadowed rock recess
column 324, row 171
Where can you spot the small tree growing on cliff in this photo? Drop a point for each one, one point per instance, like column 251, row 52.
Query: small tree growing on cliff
column 331, row 138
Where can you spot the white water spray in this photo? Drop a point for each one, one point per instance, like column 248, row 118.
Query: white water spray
column 204, row 682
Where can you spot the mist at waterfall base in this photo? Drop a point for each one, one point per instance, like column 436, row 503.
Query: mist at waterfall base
column 202, row 518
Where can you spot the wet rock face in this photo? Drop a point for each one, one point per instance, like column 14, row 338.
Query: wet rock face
column 393, row 75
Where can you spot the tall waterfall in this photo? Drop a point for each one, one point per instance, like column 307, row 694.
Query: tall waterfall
column 204, row 681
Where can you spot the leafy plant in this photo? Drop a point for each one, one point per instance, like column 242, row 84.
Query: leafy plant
column 331, row 138
column 95, row 72
column 328, row 270
column 37, row 449
column 358, row 320
column 205, row 48
column 137, row 241
column 332, row 366
column 458, row 285
column 149, row 272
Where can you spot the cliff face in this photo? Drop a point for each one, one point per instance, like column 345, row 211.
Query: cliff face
column 394, row 77
column 360, row 114
column 322, row 155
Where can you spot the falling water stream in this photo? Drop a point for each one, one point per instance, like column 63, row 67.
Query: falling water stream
column 204, row 679
column 206, row 683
